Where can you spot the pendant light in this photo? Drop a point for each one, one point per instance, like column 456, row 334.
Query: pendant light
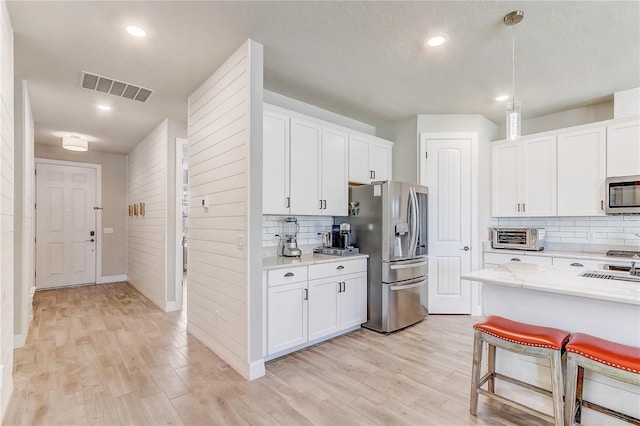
column 513, row 108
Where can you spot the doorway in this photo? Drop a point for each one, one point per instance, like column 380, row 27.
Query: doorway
column 68, row 196
column 445, row 167
column 182, row 220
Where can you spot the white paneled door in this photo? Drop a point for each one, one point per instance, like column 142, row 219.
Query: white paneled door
column 65, row 220
column 448, row 163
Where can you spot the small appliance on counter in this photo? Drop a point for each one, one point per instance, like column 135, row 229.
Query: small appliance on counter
column 291, row 229
column 518, row 238
column 338, row 241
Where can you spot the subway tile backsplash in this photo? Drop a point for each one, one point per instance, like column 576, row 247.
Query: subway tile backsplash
column 310, row 226
column 588, row 231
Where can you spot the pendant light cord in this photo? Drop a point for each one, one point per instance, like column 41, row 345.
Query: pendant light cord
column 513, row 65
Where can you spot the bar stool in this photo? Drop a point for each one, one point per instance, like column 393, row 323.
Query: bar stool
column 526, row 339
column 601, row 356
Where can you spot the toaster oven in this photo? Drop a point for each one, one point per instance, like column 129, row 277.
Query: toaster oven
column 518, row 238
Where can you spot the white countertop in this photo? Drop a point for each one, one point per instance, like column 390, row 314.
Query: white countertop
column 557, row 279
column 563, row 254
column 277, row 262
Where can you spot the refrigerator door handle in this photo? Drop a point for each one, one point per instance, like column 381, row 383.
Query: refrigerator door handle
column 413, row 242
column 407, row 286
column 409, row 265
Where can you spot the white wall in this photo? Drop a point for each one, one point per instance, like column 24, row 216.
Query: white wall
column 6, row 206
column 23, row 215
column 146, row 235
column 291, row 104
column 573, row 117
column 404, row 134
column 225, row 166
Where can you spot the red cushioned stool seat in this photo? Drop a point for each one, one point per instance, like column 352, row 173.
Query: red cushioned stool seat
column 620, row 362
column 527, row 339
column 524, row 334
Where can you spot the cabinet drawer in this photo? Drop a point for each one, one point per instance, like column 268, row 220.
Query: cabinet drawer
column 287, row 275
column 341, row 267
column 499, row 258
column 578, row 263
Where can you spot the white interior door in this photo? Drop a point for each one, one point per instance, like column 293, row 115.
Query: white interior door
column 65, row 220
column 448, row 175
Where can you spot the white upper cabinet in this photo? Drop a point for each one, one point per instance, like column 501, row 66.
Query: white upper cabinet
column 623, row 148
column 581, row 172
column 306, row 137
column 275, row 163
column 369, row 158
column 334, row 191
column 523, row 177
column 305, row 165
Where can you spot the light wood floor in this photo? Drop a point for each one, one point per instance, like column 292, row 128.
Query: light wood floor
column 106, row 355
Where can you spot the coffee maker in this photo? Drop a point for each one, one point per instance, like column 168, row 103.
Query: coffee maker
column 345, row 236
column 291, row 229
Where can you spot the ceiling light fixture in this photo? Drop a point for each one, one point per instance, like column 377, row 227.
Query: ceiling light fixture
column 437, row 40
column 513, row 108
column 502, row 98
column 136, row 31
column 75, row 143
column 104, row 107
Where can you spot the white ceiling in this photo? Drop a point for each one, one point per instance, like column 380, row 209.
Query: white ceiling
column 364, row 60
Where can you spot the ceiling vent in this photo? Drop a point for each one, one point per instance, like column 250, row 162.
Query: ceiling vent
column 114, row 87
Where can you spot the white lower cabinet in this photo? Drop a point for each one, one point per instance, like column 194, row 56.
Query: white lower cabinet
column 332, row 300
column 500, row 258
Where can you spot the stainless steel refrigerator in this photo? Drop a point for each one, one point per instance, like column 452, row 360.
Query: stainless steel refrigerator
column 389, row 223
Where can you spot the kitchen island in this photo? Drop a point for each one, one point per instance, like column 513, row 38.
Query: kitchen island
column 557, row 296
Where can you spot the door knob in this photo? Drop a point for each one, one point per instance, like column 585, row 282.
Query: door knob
column 91, row 240
column 465, row 248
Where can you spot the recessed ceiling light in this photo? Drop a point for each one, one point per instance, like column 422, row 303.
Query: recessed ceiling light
column 502, row 98
column 437, row 40
column 104, row 107
column 136, row 31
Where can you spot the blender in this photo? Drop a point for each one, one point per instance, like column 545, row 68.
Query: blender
column 291, row 229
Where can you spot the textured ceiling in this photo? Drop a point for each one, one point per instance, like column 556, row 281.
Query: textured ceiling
column 364, row 60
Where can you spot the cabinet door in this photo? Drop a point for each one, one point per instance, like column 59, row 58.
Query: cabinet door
column 505, row 177
column 623, row 148
column 353, row 300
column 538, row 176
column 287, row 316
column 275, row 163
column 359, row 171
column 334, row 177
column 323, row 307
column 380, row 161
column 581, row 172
column 305, row 172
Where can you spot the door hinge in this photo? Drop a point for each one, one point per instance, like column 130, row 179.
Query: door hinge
column 35, row 206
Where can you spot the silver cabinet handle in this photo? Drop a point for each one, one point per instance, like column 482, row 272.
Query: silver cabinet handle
column 601, row 204
column 515, row 259
column 344, row 286
column 289, row 274
column 465, row 248
column 374, row 174
column 324, row 202
column 340, row 267
column 518, row 206
column 577, row 264
column 320, row 207
column 524, row 207
column 306, row 294
column 288, row 202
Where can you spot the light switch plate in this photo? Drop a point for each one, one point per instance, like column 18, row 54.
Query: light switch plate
column 240, row 243
column 107, row 231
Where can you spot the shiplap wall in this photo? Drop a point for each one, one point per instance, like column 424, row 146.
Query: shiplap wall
column 23, row 215
column 220, row 116
column 6, row 206
column 146, row 235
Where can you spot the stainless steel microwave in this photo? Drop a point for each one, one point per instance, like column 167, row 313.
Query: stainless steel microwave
column 518, row 238
column 623, row 195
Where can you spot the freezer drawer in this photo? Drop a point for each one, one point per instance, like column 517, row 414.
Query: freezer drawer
column 402, row 304
column 403, row 270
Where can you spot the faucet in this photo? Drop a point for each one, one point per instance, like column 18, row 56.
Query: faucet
column 633, row 271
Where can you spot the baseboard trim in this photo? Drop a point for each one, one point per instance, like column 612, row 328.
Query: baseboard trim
column 256, row 369
column 19, row 340
column 172, row 306
column 111, row 279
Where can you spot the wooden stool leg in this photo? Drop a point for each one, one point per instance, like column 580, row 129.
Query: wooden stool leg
column 579, row 383
column 492, row 368
column 475, row 371
column 570, row 391
column 557, row 387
